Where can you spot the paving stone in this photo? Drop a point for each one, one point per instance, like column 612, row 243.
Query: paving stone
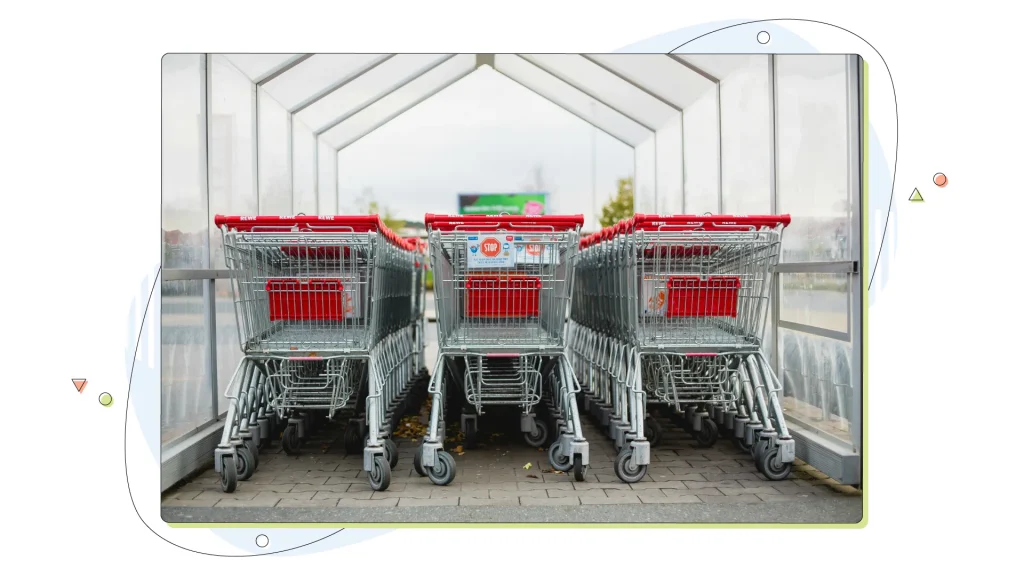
column 264, row 502
column 658, row 484
column 446, row 491
column 691, row 484
column 171, row 503
column 788, row 497
column 539, row 493
column 471, row 501
column 342, row 476
column 275, row 487
column 609, row 497
column 660, row 499
column 335, row 488
column 692, row 492
column 314, row 503
column 220, row 495
column 289, row 495
column 589, row 486
column 561, row 501
column 339, row 495
column 404, row 502
column 766, row 490
column 184, row 495
column 740, row 499
column 410, row 492
column 353, row 503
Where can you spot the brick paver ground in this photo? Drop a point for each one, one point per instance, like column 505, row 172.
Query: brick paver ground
column 506, row 472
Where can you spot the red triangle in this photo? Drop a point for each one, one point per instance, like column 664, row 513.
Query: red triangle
column 79, row 383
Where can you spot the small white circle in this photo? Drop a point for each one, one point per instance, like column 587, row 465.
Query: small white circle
column 262, row 540
column 763, row 37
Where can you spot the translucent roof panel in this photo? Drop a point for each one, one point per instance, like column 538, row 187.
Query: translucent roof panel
column 394, row 104
column 364, row 89
column 658, row 74
column 257, row 66
column 316, row 76
column 606, row 87
column 571, row 99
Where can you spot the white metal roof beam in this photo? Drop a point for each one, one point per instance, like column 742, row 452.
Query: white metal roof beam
column 286, row 66
column 589, row 94
column 632, row 83
column 694, row 67
column 404, row 109
column 382, row 95
column 340, row 84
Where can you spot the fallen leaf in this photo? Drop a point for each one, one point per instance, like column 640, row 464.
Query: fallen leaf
column 528, row 465
column 458, row 449
column 531, row 475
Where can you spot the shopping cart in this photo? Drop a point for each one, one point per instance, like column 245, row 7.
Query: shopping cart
column 502, row 287
column 326, row 315
column 670, row 310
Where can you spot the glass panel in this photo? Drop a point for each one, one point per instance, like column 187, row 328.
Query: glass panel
column 571, row 99
column 256, row 66
column 670, row 167
column 660, row 74
column 185, row 395
column 315, row 75
column 604, row 85
column 185, row 218
column 232, row 150
column 395, row 103
column 746, row 137
column 515, row 142
column 304, row 171
column 327, row 173
column 274, row 171
column 700, row 155
column 644, row 200
column 820, row 300
column 813, row 161
column 229, row 351
column 721, row 66
column 816, row 382
column 363, row 90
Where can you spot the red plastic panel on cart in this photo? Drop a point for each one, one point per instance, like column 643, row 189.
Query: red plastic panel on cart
column 315, row 299
column 692, row 296
column 502, row 297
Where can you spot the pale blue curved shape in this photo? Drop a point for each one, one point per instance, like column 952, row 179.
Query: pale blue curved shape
column 879, row 195
column 712, row 39
column 144, row 382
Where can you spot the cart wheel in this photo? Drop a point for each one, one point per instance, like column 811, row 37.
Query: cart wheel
column 471, row 435
column 254, row 449
column 653, row 431
column 769, row 464
column 290, row 441
column 627, row 472
column 417, row 463
column 229, row 474
column 558, row 460
column 738, row 442
column 579, row 471
column 708, row 434
column 380, row 475
column 540, row 438
column 443, row 471
column 245, row 465
column 353, row 440
column 391, row 451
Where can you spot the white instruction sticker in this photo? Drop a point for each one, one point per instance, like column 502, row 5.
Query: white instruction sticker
column 655, row 296
column 535, row 250
column 490, row 252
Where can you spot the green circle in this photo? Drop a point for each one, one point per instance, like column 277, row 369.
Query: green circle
column 106, row 399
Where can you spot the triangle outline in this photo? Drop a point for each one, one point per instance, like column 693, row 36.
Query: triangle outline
column 79, row 383
column 916, row 196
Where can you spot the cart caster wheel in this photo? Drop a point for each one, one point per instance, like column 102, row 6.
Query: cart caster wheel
column 627, row 472
column 471, row 435
column 254, row 449
column 540, row 438
column 229, row 474
column 768, row 464
column 353, row 440
column 290, row 441
column 417, row 463
column 708, row 434
column 245, row 463
column 443, row 471
column 391, row 452
column 579, row 471
column 653, row 431
column 738, row 443
column 558, row 460
column 380, row 475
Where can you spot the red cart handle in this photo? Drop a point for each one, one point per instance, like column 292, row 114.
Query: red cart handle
column 347, row 223
column 482, row 222
column 654, row 222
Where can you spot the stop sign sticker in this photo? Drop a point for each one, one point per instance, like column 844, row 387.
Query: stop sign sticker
column 489, row 252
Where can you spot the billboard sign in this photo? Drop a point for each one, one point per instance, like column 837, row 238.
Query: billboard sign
column 520, row 203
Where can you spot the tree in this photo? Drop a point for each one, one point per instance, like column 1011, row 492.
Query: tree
column 620, row 206
column 373, row 207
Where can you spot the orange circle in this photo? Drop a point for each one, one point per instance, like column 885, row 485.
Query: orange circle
column 940, row 179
